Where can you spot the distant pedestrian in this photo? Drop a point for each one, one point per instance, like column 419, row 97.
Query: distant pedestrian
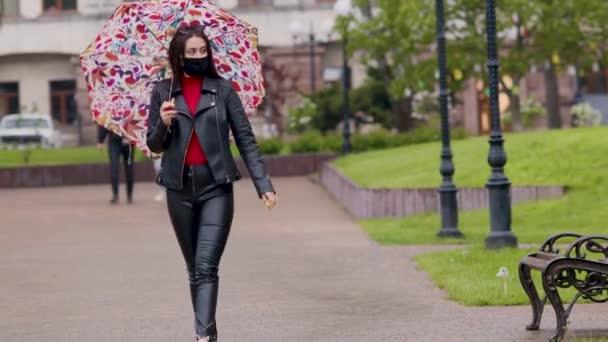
column 117, row 148
column 160, row 195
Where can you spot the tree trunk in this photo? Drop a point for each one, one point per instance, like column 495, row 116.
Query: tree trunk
column 552, row 97
column 515, row 108
column 402, row 114
column 401, row 109
column 514, row 93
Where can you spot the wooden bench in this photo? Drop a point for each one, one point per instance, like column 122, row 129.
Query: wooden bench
column 574, row 268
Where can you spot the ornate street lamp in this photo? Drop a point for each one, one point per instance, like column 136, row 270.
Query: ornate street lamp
column 499, row 187
column 297, row 30
column 447, row 190
column 344, row 8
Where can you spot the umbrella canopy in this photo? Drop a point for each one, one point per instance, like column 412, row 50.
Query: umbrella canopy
column 130, row 55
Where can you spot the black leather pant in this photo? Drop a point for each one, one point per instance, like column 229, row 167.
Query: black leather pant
column 201, row 215
column 116, row 149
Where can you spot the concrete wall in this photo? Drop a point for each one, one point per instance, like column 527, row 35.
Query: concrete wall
column 62, row 175
column 228, row 4
column 33, row 72
column 92, row 7
column 365, row 203
column 30, row 9
column 33, row 8
column 65, row 35
column 273, row 24
column 36, row 32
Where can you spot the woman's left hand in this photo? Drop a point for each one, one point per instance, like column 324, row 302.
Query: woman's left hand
column 270, row 199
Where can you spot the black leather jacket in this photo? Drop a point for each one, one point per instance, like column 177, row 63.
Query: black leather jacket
column 219, row 109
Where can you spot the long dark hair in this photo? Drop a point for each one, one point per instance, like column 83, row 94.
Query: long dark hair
column 178, row 45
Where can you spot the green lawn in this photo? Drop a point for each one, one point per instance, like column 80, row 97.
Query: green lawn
column 576, row 158
column 469, row 275
column 71, row 155
column 62, row 156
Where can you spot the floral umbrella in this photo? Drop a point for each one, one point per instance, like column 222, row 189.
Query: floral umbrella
column 129, row 56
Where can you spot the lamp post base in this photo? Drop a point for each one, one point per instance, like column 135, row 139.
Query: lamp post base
column 450, row 233
column 448, row 208
column 497, row 240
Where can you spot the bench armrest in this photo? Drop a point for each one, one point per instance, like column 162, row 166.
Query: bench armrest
column 588, row 244
column 549, row 245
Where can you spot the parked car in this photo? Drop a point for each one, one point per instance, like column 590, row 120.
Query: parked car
column 18, row 130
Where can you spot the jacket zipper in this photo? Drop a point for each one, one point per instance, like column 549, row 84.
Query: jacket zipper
column 181, row 177
column 219, row 136
column 192, row 180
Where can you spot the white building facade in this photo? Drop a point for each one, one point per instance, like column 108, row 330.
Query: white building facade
column 40, row 41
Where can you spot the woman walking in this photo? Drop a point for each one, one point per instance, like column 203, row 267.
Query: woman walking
column 190, row 117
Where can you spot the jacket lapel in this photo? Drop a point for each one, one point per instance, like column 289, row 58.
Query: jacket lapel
column 206, row 101
column 180, row 104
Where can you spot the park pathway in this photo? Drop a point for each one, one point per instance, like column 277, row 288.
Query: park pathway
column 74, row 268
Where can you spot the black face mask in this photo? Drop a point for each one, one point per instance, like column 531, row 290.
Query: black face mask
column 196, row 66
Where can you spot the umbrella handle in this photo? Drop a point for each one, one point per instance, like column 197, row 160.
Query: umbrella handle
column 170, row 88
column 170, row 92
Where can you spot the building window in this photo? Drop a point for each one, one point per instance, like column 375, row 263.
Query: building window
column 595, row 83
column 10, row 8
column 63, row 101
column 9, row 98
column 59, row 5
column 254, row 3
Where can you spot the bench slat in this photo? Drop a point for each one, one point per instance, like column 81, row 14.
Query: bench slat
column 540, row 260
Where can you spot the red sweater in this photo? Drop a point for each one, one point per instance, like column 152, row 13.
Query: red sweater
column 191, row 87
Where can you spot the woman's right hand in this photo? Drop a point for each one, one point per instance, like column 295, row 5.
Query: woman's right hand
column 167, row 112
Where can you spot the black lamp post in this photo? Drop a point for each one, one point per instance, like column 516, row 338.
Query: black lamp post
column 346, row 147
column 297, row 30
column 312, row 42
column 343, row 8
column 447, row 190
column 499, row 187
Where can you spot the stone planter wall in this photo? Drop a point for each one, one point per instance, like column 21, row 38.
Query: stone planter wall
column 364, row 203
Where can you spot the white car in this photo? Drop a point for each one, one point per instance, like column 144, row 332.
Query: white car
column 18, row 130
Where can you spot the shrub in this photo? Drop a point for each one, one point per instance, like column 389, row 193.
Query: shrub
column 585, row 115
column 311, row 141
column 531, row 110
column 332, row 143
column 372, row 141
column 271, row 145
column 314, row 141
column 302, row 117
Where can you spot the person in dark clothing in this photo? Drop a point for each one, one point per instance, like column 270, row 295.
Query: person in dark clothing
column 117, row 147
column 189, row 120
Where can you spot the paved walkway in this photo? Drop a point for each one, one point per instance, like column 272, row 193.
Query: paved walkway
column 75, row 269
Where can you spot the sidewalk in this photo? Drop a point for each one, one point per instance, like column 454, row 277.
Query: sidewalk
column 76, row 269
